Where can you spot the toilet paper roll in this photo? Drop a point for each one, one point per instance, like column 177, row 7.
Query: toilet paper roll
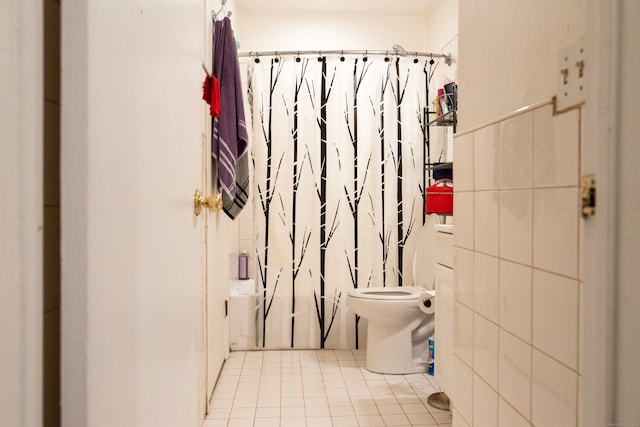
column 427, row 302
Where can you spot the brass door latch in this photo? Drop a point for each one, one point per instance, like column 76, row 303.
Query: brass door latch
column 212, row 203
column 588, row 195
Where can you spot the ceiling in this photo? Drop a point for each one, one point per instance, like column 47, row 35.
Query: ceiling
column 373, row 7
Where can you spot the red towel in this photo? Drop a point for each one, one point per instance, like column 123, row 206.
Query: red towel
column 211, row 95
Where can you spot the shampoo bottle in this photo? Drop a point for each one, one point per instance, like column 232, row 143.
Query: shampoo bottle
column 243, row 265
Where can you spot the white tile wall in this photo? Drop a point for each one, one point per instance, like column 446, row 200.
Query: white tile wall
column 485, row 404
column 516, row 151
column 516, row 219
column 486, row 163
column 556, row 154
column 463, row 219
column 516, row 270
column 507, row 416
column 515, row 372
column 485, row 350
column 515, row 299
column 463, row 390
column 554, row 393
column 463, row 333
column 464, row 169
column 486, row 286
column 463, row 276
column 555, row 317
column 458, row 421
column 242, row 238
column 555, row 230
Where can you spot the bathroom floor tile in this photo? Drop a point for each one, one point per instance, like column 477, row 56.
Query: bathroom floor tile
column 318, row 388
column 344, row 421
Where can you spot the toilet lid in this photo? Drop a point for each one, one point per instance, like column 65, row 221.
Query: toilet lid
column 424, row 259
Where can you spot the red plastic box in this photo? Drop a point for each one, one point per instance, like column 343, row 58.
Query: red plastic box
column 439, row 198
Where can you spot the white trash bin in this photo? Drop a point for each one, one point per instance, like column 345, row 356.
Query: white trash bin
column 242, row 314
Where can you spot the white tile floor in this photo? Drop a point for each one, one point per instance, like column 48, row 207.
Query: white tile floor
column 318, row 388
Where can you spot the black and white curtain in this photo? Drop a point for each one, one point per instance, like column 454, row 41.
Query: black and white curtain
column 338, row 156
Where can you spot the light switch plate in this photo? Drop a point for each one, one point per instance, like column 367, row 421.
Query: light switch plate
column 571, row 81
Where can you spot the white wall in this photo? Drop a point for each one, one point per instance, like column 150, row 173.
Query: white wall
column 441, row 25
column 510, row 54
column 297, row 31
column 442, row 37
column 518, row 280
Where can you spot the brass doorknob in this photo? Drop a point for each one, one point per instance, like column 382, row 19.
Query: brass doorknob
column 212, row 202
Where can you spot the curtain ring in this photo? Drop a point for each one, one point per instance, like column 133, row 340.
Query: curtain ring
column 298, row 57
column 276, row 59
column 366, row 52
column 342, row 56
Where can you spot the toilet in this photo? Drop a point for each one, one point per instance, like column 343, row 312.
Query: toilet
column 398, row 330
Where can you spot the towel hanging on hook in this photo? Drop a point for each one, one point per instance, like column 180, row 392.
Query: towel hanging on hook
column 214, row 14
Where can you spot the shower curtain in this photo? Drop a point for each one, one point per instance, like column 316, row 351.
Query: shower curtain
column 338, row 158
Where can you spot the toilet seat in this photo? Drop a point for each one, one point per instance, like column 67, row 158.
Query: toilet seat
column 394, row 293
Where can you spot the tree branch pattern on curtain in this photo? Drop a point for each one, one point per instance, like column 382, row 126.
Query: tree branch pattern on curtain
column 338, row 163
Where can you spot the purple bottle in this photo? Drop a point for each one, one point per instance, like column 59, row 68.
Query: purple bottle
column 243, row 265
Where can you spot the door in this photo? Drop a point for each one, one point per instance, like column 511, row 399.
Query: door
column 610, row 292
column 134, row 253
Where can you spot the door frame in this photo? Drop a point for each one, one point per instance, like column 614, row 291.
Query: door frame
column 21, row 215
column 607, row 345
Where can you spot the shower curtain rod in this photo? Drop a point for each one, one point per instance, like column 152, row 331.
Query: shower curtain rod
column 447, row 57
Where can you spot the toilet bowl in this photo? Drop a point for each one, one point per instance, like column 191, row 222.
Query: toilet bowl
column 398, row 331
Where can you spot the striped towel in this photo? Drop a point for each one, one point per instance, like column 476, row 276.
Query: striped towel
column 230, row 140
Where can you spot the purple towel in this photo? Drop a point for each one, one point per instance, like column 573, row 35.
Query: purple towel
column 229, row 134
